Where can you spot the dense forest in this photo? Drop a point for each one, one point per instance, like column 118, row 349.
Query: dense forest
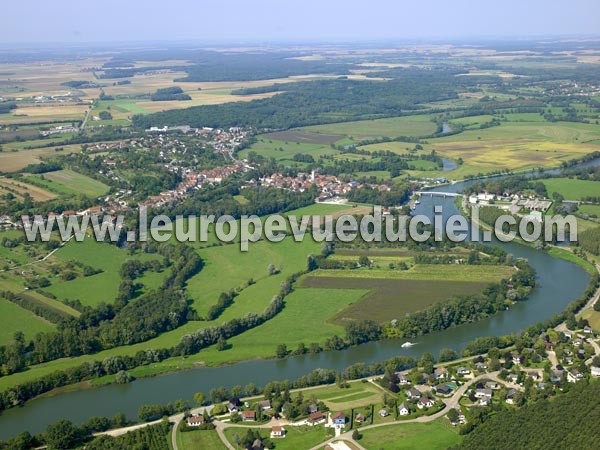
column 567, row 422
column 316, row 102
column 170, row 93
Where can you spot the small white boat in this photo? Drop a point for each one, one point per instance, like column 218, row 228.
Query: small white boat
column 417, row 202
column 407, row 344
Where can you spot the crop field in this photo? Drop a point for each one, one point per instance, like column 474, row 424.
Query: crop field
column 436, row 435
column 410, row 126
column 389, row 298
column 296, row 438
column 572, row 189
column 282, row 150
column 19, row 189
column 20, row 320
column 513, row 145
column 13, row 161
column 427, row 272
column 67, row 182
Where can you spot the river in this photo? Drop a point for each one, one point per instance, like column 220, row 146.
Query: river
column 559, row 283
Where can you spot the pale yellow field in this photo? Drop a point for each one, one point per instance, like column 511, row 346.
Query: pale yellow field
column 53, row 110
column 497, row 154
column 14, row 161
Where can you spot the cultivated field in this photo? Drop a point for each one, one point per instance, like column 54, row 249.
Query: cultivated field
column 517, row 145
column 67, row 182
column 19, row 189
column 427, row 272
column 13, row 161
column 392, row 299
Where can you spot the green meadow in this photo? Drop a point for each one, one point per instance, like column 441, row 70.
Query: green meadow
column 199, row 440
column 102, row 287
column 572, row 189
column 67, row 182
column 410, row 126
column 285, row 151
column 436, row 435
column 296, row 438
column 20, row 320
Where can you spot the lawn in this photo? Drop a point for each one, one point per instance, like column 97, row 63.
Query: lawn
column 67, row 182
column 356, row 395
column 411, row 126
column 199, row 440
column 572, row 189
column 393, row 298
column 20, row 320
column 297, row 438
column 436, row 435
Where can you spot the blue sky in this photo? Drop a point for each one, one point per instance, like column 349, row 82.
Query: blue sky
column 46, row 21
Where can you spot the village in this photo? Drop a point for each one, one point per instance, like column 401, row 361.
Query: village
column 457, row 391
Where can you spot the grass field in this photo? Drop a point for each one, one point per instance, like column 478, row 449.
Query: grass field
column 67, row 182
column 572, row 189
column 303, row 320
column 102, row 287
column 392, row 299
column 592, row 210
column 20, row 320
column 226, row 267
column 593, row 317
column 282, row 150
column 199, row 440
column 436, row 435
column 297, row 438
column 305, row 137
column 411, row 126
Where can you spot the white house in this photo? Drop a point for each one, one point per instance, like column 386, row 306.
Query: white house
column 425, row 402
column 277, row 432
column 574, row 376
column 403, row 409
column 195, row 421
column 595, row 371
column 462, row 371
